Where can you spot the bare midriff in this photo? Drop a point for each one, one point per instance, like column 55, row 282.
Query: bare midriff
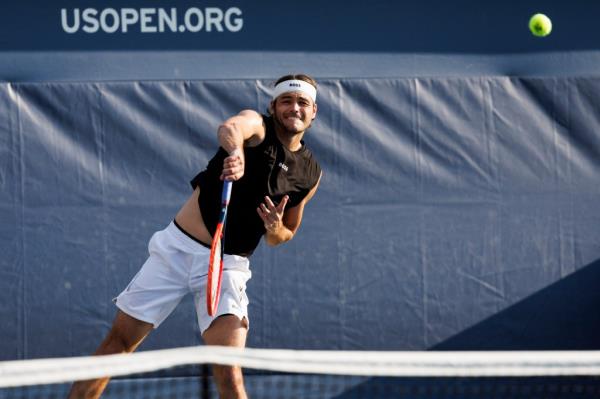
column 190, row 219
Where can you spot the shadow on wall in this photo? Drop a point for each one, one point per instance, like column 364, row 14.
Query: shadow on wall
column 562, row 316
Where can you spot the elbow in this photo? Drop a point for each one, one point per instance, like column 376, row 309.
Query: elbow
column 226, row 129
column 228, row 125
column 230, row 128
column 274, row 240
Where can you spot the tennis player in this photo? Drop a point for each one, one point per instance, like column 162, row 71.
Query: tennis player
column 274, row 175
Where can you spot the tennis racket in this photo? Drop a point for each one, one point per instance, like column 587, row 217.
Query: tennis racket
column 215, row 262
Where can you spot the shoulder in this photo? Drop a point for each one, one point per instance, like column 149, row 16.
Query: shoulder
column 311, row 161
column 252, row 124
column 250, row 118
column 251, row 114
column 307, row 168
column 313, row 169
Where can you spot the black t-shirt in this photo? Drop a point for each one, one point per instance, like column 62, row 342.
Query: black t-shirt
column 270, row 169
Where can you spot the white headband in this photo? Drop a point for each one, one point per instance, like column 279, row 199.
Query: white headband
column 295, row 85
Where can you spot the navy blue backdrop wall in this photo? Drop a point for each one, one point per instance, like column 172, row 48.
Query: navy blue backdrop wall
column 458, row 208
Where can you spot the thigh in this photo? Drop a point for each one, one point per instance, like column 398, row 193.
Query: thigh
column 160, row 284
column 233, row 300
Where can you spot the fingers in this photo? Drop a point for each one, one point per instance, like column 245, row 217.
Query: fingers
column 271, row 214
column 264, row 214
column 270, row 220
column 270, row 204
column 279, row 208
column 282, row 204
column 233, row 167
column 268, row 216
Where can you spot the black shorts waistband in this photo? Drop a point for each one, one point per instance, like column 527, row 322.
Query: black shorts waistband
column 189, row 235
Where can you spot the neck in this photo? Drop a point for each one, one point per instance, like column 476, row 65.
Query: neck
column 290, row 140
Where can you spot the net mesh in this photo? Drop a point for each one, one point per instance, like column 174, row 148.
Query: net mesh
column 185, row 373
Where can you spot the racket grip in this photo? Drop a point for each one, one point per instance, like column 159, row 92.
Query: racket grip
column 227, row 184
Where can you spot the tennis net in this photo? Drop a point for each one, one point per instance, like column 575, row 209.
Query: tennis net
column 184, row 373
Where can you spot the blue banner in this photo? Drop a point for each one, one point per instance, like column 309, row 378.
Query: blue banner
column 461, row 26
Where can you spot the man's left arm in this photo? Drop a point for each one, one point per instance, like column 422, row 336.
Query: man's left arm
column 281, row 224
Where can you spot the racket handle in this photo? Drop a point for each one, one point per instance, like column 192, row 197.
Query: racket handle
column 227, row 184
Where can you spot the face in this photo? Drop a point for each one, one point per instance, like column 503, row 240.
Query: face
column 294, row 111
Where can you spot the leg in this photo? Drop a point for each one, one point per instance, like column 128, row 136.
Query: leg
column 124, row 337
column 228, row 330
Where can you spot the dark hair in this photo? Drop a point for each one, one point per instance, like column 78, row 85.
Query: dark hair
column 299, row 76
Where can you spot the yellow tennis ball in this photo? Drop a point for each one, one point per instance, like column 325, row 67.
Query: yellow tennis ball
column 540, row 25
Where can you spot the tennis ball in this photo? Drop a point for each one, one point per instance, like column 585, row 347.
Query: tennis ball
column 540, row 25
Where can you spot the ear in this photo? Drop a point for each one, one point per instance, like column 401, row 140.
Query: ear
column 314, row 111
column 271, row 108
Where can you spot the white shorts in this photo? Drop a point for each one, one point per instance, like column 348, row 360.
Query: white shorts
column 178, row 265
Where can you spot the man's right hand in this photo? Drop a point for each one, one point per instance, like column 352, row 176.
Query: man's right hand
column 233, row 166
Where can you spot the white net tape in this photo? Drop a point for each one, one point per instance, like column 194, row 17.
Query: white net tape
column 365, row 363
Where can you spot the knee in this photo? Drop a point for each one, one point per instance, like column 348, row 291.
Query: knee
column 115, row 342
column 230, row 381
column 86, row 389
